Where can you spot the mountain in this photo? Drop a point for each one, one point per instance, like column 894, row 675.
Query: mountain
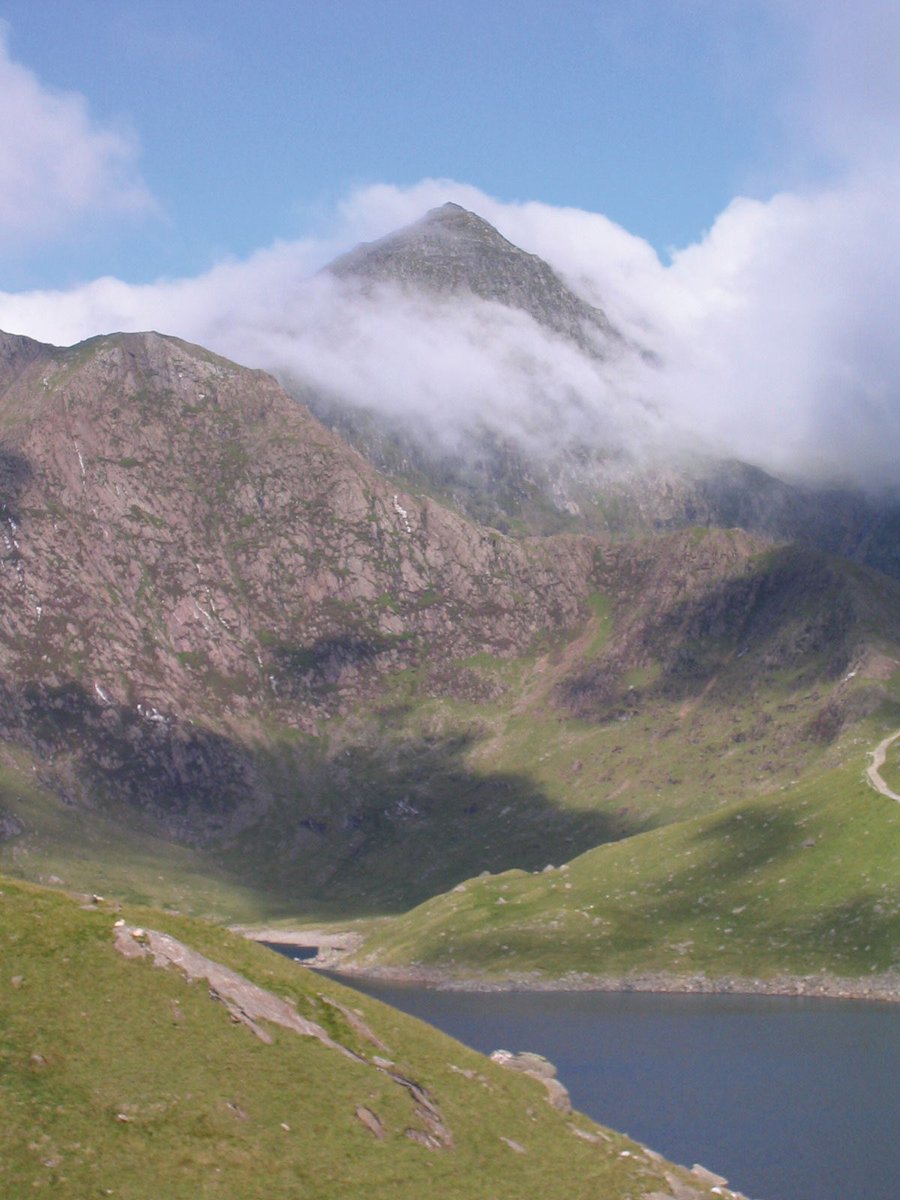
column 587, row 462
column 196, row 574
column 172, row 497
column 242, row 674
column 451, row 251
column 453, row 259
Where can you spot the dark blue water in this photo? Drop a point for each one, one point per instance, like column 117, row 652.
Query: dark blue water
column 791, row 1099
column 297, row 953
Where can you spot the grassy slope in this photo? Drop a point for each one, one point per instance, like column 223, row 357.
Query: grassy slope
column 515, row 781
column 705, row 776
column 800, row 881
column 496, row 784
column 522, row 785
column 88, row 1038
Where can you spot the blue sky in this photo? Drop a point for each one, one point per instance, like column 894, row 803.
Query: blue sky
column 248, row 123
column 721, row 176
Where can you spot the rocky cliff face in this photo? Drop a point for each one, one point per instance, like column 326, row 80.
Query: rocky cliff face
column 187, row 551
column 155, row 495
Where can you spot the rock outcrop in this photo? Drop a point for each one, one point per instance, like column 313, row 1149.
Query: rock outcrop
column 539, row 1068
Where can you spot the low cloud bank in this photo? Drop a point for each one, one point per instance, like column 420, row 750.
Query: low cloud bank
column 775, row 335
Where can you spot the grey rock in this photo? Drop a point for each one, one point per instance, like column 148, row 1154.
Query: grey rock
column 371, row 1121
column 707, row 1176
column 451, row 250
column 540, row 1068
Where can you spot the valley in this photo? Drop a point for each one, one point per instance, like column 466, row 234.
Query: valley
column 247, row 676
column 449, row 601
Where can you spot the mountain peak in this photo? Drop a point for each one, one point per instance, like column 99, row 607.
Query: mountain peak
column 447, row 209
column 460, row 220
column 452, row 251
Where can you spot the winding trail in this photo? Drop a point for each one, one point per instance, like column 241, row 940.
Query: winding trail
column 873, row 773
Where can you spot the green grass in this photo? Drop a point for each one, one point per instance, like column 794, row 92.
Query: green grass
column 601, row 608
column 120, row 1078
column 890, row 772
column 802, row 881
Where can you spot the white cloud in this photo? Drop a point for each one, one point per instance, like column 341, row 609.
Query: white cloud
column 785, row 350
column 776, row 332
column 57, row 163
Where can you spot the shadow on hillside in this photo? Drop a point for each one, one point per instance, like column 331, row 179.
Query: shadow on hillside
column 719, row 888
column 189, row 780
column 695, row 890
column 375, row 824
column 791, row 615
column 384, row 822
column 15, row 473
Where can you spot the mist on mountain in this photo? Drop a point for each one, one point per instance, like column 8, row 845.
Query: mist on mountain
column 770, row 341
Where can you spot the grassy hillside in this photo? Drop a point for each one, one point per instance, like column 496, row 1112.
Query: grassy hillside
column 119, row 1077
column 800, row 881
column 480, row 765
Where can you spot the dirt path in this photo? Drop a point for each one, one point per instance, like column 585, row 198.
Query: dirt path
column 873, row 773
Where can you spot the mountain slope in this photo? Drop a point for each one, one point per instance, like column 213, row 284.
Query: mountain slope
column 178, row 530
column 454, row 251
column 596, row 462
column 196, row 574
column 801, row 883
column 122, row 1077
column 241, row 674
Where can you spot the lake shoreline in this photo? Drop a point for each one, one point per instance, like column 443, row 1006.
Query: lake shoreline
column 336, row 947
column 880, row 988
column 783, row 1095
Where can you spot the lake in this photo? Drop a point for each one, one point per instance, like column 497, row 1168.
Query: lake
column 790, row 1098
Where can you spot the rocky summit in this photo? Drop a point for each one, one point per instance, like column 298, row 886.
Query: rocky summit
column 602, row 475
column 454, row 251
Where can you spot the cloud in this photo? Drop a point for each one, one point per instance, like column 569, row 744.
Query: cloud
column 774, row 334
column 781, row 341
column 57, row 163
column 445, row 368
